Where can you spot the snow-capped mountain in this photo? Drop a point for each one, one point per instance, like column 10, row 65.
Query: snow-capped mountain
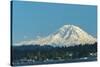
column 68, row 35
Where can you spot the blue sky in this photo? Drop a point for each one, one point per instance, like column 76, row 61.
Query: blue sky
column 32, row 19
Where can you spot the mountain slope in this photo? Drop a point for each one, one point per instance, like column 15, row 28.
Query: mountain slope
column 67, row 35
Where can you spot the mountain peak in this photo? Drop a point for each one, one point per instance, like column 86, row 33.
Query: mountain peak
column 68, row 26
column 67, row 35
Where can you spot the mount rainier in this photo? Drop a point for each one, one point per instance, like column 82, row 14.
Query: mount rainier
column 67, row 35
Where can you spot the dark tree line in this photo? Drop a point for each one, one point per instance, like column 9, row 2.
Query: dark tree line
column 40, row 53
